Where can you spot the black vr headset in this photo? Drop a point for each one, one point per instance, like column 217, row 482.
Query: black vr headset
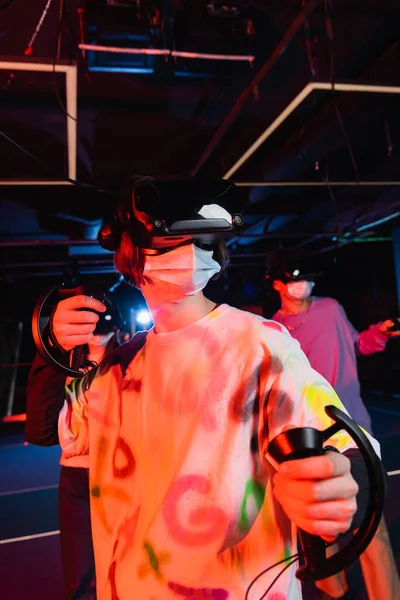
column 293, row 272
column 163, row 212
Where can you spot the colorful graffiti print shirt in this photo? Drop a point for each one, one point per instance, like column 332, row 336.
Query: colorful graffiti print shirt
column 181, row 497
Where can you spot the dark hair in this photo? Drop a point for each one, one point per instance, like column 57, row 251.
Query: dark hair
column 271, row 292
column 129, row 259
column 221, row 256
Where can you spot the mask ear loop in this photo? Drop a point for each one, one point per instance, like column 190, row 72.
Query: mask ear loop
column 203, row 246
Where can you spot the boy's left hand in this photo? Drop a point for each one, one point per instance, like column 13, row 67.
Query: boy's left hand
column 386, row 327
column 318, row 494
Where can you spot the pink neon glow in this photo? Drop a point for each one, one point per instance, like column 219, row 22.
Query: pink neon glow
column 150, row 51
column 157, row 52
column 199, row 55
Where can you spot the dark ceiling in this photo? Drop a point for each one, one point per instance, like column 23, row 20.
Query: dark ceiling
column 141, row 114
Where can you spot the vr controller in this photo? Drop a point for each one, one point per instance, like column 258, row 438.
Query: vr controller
column 69, row 363
column 307, row 441
column 292, row 275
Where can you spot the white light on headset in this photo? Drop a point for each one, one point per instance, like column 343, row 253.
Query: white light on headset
column 296, row 272
column 108, row 317
column 143, row 317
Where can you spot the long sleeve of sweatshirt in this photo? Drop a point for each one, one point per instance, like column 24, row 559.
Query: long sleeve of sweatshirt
column 45, row 398
column 370, row 340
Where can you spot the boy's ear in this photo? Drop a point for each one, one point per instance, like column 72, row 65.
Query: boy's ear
column 276, row 285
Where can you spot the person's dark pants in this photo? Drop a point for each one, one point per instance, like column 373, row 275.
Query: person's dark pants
column 76, row 534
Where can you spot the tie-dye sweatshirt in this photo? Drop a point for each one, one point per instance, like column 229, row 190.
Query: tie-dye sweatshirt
column 181, row 498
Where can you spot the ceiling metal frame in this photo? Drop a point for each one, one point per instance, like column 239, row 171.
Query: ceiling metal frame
column 350, row 183
column 290, row 108
column 70, row 70
column 294, row 27
column 298, row 100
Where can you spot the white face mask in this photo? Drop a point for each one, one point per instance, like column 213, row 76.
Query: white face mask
column 181, row 272
column 300, row 289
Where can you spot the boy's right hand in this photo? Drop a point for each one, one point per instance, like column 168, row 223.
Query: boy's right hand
column 74, row 322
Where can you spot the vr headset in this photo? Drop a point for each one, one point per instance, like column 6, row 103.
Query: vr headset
column 289, row 274
column 163, row 212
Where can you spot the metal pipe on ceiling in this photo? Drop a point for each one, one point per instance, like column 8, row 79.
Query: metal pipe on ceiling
column 374, row 214
column 111, row 271
column 316, row 183
column 361, row 232
column 56, row 263
column 18, row 243
column 380, row 221
column 95, row 263
column 15, row 181
column 45, row 243
column 166, row 52
column 290, row 33
column 61, row 273
column 340, row 244
column 282, row 235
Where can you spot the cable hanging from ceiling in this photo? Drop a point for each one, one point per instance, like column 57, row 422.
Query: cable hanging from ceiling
column 29, row 48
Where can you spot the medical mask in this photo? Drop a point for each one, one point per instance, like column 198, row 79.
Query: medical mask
column 300, row 289
column 182, row 272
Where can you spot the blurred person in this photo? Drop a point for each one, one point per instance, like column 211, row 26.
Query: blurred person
column 332, row 344
column 325, row 334
column 45, row 399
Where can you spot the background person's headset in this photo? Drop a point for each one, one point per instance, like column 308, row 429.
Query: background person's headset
column 291, row 273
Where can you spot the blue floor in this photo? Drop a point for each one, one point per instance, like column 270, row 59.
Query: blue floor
column 30, row 568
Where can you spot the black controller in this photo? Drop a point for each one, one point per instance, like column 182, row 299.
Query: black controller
column 68, row 363
column 305, row 442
